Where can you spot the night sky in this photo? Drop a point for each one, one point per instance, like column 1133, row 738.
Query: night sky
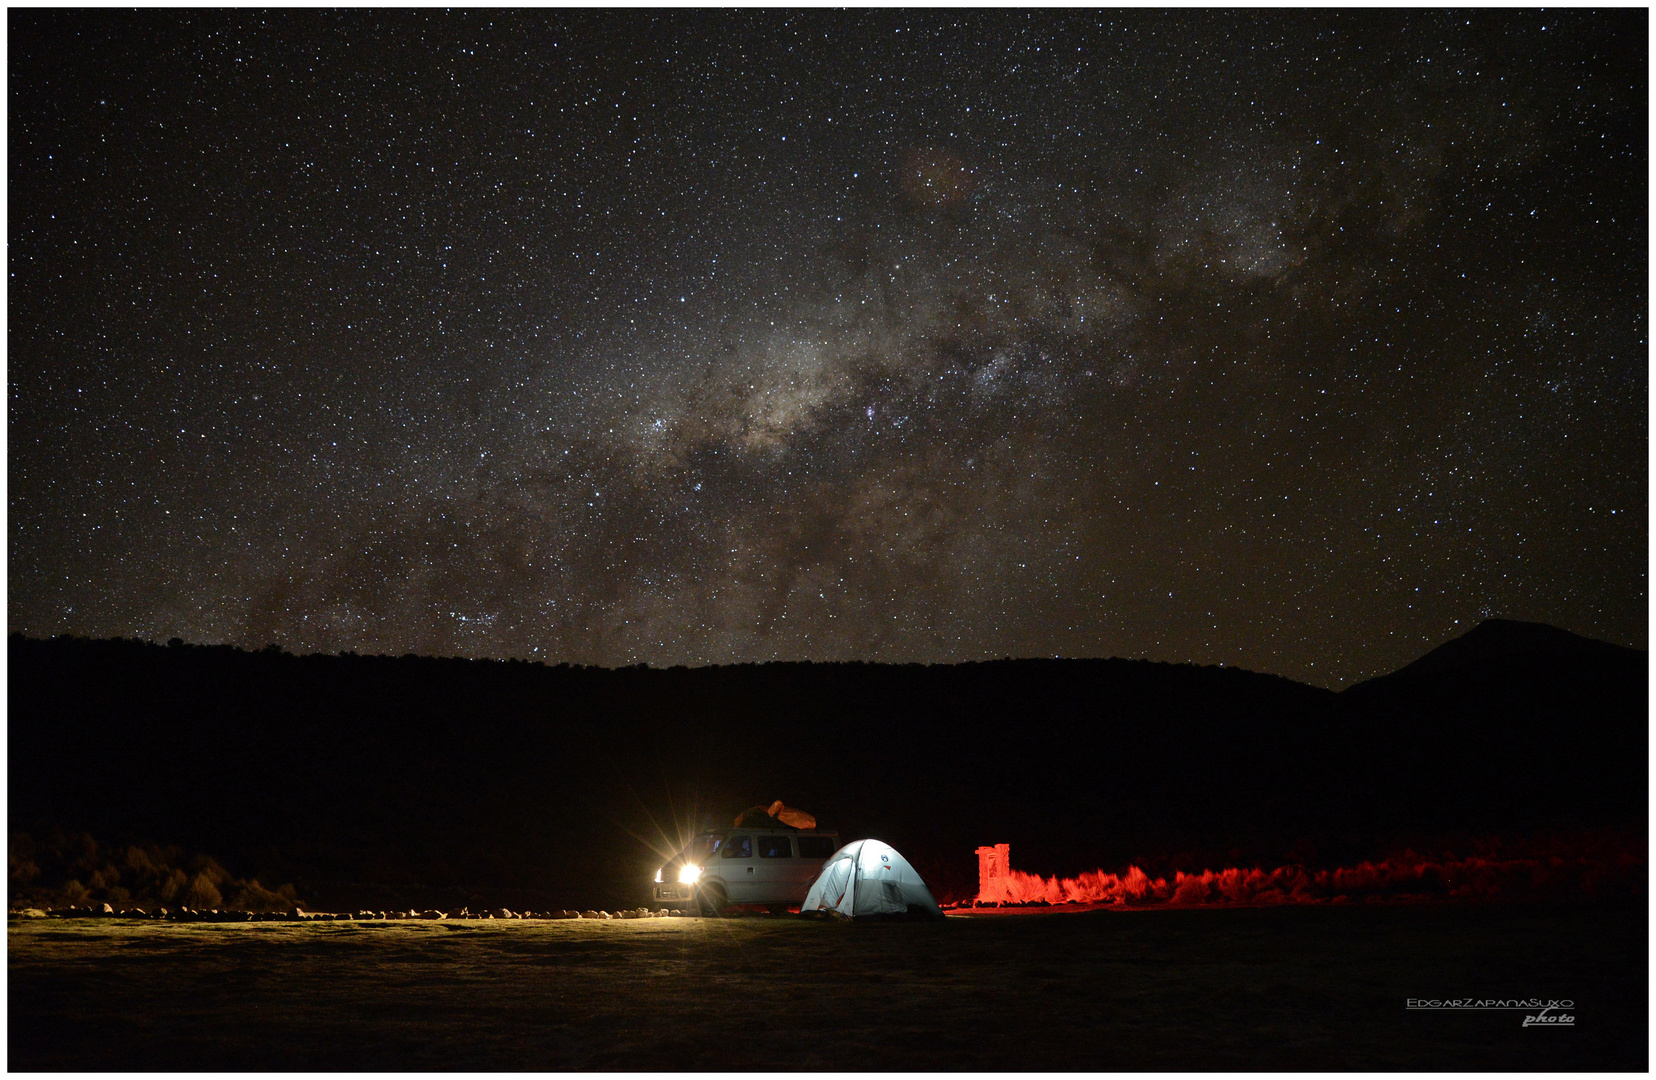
column 1290, row 340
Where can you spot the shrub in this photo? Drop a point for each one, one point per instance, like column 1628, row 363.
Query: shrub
column 173, row 886
column 251, row 896
column 202, row 893
column 51, row 872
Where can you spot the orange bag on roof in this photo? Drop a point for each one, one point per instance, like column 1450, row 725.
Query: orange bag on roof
column 776, row 811
column 789, row 815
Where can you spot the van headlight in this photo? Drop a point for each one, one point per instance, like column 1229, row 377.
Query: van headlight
column 689, row 874
column 658, row 875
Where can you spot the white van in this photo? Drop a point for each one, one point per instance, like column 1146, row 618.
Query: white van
column 771, row 865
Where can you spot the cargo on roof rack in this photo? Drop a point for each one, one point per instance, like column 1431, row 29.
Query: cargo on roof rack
column 777, row 813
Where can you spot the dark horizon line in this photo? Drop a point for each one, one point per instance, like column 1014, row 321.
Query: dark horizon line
column 274, row 649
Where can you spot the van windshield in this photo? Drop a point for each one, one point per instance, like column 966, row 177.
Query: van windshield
column 702, row 848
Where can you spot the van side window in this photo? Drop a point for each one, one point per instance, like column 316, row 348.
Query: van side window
column 737, row 847
column 775, row 847
column 816, row 847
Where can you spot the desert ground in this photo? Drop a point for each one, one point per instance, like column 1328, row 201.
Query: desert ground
column 1320, row 987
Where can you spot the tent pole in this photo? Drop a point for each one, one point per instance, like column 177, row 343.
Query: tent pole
column 856, row 869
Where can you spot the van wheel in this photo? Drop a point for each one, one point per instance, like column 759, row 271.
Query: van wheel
column 712, row 901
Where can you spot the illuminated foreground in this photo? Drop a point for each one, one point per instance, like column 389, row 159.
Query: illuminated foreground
column 1292, row 987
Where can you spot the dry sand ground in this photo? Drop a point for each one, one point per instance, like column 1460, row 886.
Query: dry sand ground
column 1286, row 988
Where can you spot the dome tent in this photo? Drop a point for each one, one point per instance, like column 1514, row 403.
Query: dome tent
column 868, row 878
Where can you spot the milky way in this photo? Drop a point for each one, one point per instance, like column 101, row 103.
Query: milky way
column 1295, row 341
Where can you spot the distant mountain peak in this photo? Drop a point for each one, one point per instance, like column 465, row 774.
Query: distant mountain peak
column 1495, row 638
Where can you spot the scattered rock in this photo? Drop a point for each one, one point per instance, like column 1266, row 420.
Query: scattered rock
column 30, row 913
column 589, row 915
column 107, row 909
column 505, row 913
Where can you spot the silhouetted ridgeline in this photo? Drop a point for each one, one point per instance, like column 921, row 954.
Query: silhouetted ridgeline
column 377, row 779
column 1513, row 722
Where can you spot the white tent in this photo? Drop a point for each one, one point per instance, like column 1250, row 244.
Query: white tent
column 868, row 877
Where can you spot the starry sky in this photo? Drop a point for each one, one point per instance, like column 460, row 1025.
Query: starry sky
column 1299, row 341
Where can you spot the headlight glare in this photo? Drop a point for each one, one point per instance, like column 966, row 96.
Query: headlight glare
column 689, row 874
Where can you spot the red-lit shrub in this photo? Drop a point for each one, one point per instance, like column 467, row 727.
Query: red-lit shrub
column 1550, row 868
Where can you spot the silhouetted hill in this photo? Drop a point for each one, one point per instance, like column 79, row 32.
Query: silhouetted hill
column 410, row 776
column 1512, row 725
column 1498, row 640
